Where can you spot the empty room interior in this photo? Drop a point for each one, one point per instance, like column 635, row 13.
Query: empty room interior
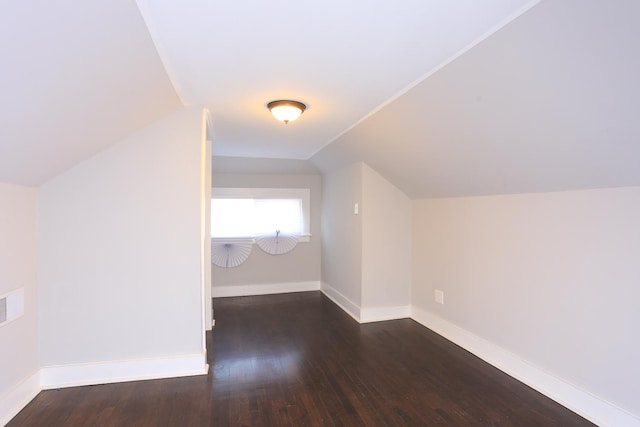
column 445, row 231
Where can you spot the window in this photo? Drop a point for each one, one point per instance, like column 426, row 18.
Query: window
column 252, row 212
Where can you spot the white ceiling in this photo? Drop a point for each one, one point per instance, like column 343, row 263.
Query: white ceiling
column 76, row 77
column 512, row 102
column 549, row 103
column 343, row 59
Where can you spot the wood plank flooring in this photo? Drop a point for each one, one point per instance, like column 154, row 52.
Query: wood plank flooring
column 298, row 360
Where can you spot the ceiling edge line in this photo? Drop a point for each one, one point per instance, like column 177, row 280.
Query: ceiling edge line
column 162, row 54
column 434, row 70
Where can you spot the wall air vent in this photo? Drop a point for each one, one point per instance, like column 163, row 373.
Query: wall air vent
column 3, row 310
column 11, row 306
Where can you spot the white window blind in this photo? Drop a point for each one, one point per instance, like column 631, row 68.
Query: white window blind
column 255, row 212
column 277, row 214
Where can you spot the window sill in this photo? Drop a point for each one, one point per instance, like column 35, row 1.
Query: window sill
column 303, row 239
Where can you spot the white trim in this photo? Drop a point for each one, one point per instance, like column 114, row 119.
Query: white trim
column 378, row 314
column 264, row 289
column 591, row 407
column 348, row 306
column 364, row 315
column 121, row 371
column 302, row 238
column 260, row 193
column 16, row 399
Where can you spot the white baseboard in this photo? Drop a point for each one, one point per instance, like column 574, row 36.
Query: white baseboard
column 378, row 314
column 348, row 306
column 121, row 371
column 15, row 400
column 264, row 289
column 364, row 315
column 589, row 406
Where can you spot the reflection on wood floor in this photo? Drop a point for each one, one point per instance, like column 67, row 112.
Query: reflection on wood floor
column 298, row 360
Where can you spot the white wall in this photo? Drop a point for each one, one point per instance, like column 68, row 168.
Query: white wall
column 553, row 278
column 366, row 257
column 120, row 241
column 18, row 269
column 547, row 103
column 386, row 243
column 300, row 265
column 342, row 236
column 207, row 135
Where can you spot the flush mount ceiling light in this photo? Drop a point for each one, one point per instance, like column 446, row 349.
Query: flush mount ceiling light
column 285, row 110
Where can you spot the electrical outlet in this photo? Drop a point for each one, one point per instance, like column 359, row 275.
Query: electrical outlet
column 439, row 296
column 356, row 209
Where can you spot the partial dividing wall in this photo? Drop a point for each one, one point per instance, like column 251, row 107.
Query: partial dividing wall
column 366, row 258
column 386, row 248
column 342, row 237
column 296, row 270
column 120, row 273
column 552, row 279
column 18, row 272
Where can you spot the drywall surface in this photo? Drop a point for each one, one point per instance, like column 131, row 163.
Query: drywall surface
column 103, row 80
column 206, row 222
column 300, row 265
column 18, row 270
column 386, row 242
column 551, row 277
column 262, row 166
column 549, row 101
column 120, row 242
column 342, row 231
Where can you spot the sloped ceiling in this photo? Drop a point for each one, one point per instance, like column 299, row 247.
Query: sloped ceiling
column 343, row 58
column 76, row 77
column 550, row 102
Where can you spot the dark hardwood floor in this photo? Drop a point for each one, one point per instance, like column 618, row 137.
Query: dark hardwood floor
column 298, row 360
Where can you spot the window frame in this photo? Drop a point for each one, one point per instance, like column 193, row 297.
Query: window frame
column 304, row 194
